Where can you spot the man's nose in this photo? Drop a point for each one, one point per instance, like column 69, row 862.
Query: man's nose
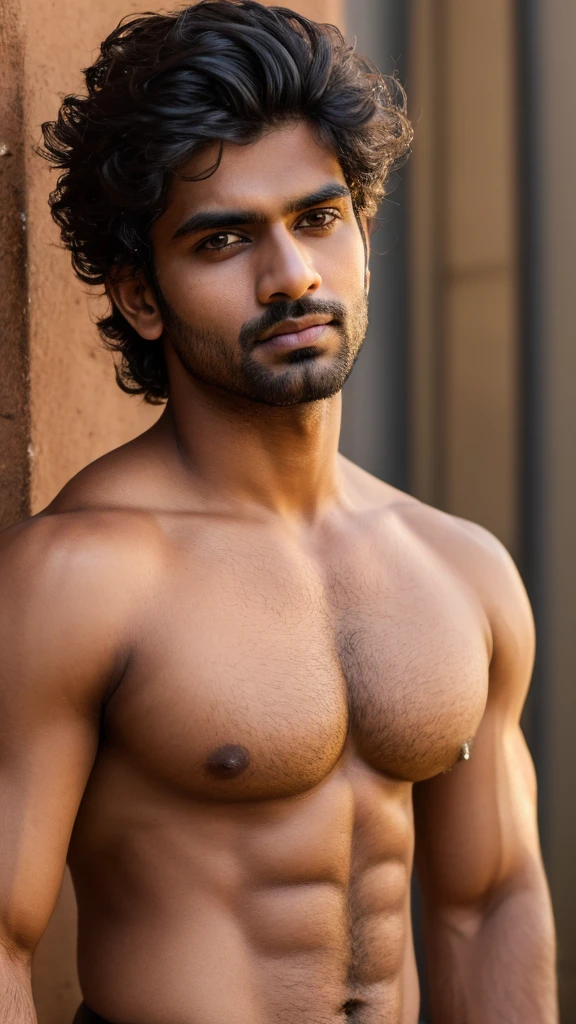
column 286, row 270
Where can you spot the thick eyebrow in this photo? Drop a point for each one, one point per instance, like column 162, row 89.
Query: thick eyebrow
column 216, row 219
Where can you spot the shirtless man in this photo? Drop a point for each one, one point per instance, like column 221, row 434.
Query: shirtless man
column 228, row 653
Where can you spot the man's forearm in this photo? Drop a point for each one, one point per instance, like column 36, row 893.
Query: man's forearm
column 497, row 966
column 16, row 1002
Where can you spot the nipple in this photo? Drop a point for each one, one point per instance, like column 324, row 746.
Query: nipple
column 228, row 761
column 464, row 752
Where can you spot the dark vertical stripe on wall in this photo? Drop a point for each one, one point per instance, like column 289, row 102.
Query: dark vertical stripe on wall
column 374, row 423
column 532, row 520
column 14, row 389
column 440, row 172
column 547, row 35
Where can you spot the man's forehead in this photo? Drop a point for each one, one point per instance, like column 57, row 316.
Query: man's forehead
column 264, row 175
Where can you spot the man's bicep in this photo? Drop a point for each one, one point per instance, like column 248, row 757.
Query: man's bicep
column 44, row 767
column 55, row 658
column 476, row 826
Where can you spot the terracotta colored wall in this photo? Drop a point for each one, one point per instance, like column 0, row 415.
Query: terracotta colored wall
column 59, row 405
column 14, row 421
column 77, row 411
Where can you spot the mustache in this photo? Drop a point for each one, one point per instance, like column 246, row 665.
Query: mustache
column 286, row 310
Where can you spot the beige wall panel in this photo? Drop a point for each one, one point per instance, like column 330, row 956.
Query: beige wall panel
column 464, row 345
column 480, row 409
column 478, row 322
column 478, row 114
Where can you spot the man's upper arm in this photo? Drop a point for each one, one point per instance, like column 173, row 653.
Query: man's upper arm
column 58, row 653
column 476, row 828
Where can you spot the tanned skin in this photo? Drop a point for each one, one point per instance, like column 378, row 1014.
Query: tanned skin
column 238, row 673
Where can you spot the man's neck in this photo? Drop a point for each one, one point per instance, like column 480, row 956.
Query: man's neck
column 283, row 459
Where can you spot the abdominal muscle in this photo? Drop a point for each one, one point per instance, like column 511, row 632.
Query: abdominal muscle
column 289, row 911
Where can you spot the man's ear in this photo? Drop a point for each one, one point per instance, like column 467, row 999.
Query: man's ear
column 136, row 301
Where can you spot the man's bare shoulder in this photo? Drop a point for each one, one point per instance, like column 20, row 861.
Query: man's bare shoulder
column 132, row 478
column 470, row 552
column 80, row 541
column 99, row 519
column 479, row 559
column 73, row 576
column 58, row 556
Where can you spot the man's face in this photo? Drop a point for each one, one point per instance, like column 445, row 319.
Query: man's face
column 270, row 237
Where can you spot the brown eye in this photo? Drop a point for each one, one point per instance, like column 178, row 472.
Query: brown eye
column 219, row 241
column 319, row 219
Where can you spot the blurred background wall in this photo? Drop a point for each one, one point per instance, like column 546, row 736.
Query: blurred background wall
column 464, row 394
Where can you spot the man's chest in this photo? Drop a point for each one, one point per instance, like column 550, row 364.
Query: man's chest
column 255, row 664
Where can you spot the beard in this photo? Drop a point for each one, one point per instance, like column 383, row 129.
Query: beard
column 208, row 357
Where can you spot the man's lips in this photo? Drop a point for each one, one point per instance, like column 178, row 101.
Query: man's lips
column 296, row 338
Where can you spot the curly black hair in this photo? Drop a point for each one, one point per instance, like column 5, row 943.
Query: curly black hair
column 163, row 86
